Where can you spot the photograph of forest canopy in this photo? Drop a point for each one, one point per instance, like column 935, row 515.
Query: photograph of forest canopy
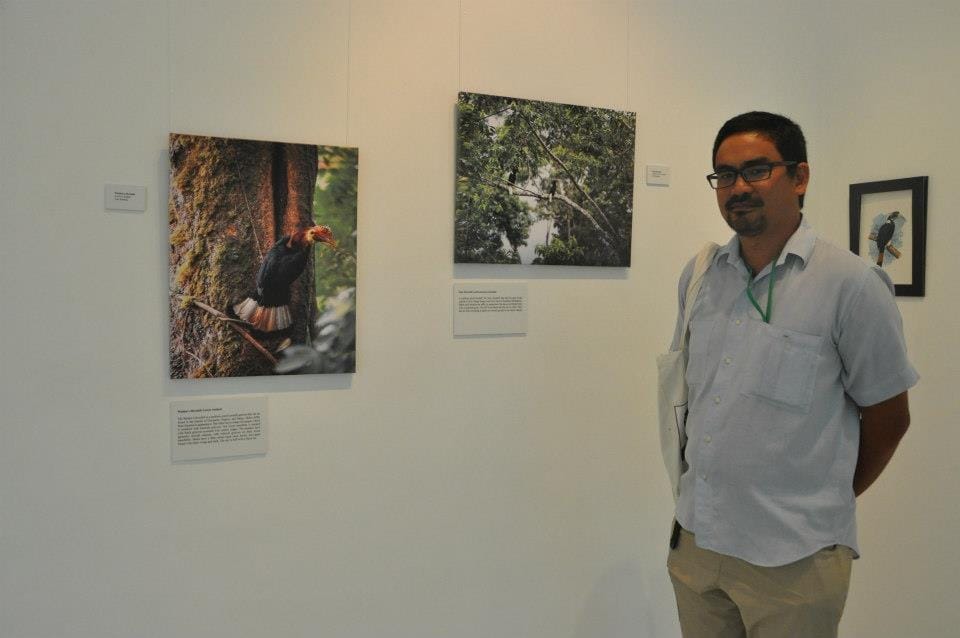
column 542, row 183
column 263, row 242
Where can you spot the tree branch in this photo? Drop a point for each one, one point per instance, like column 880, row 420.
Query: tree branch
column 492, row 114
column 567, row 171
column 233, row 323
column 508, row 186
column 586, row 213
column 603, row 234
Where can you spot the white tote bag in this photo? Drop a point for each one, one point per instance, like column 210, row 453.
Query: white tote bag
column 672, row 383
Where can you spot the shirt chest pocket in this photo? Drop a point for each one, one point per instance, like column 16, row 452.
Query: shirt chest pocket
column 782, row 366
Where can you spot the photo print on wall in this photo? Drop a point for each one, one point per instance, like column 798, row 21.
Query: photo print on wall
column 542, row 183
column 888, row 228
column 262, row 257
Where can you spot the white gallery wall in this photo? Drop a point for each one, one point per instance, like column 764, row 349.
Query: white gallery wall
column 466, row 488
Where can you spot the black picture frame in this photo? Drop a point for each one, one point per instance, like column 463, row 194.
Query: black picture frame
column 868, row 204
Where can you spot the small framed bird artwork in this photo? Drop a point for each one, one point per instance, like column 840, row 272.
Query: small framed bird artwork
column 262, row 257
column 888, row 228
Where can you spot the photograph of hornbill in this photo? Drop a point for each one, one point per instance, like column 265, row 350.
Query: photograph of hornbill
column 268, row 309
column 262, row 257
column 542, row 183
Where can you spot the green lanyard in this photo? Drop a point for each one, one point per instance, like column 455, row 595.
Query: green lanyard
column 765, row 315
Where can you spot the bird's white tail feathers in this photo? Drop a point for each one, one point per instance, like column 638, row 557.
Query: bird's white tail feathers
column 265, row 319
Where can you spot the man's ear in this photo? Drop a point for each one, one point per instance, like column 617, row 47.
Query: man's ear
column 801, row 177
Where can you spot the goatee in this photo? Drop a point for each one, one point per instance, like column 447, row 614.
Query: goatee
column 744, row 226
column 737, row 215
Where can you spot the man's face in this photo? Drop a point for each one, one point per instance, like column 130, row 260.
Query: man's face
column 753, row 208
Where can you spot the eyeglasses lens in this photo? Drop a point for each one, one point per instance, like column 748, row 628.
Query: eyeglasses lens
column 724, row 179
column 756, row 173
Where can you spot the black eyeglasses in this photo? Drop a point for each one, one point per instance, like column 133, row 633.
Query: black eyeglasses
column 756, row 173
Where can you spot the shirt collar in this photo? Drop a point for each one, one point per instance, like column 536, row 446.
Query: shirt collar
column 800, row 244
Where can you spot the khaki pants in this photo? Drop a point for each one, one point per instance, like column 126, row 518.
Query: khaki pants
column 723, row 597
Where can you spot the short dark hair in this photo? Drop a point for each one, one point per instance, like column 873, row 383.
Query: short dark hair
column 782, row 131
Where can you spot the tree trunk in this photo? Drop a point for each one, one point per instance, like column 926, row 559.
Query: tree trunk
column 230, row 200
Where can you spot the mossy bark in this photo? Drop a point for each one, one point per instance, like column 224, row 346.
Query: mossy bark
column 230, row 200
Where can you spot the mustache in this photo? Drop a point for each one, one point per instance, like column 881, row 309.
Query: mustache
column 746, row 198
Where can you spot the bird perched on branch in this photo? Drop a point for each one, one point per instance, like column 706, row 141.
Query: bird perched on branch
column 885, row 234
column 267, row 308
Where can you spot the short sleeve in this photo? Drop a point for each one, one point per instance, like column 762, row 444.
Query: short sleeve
column 871, row 343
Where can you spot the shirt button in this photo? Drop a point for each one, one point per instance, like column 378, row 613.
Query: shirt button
column 707, row 438
column 727, row 360
column 716, row 399
column 739, row 321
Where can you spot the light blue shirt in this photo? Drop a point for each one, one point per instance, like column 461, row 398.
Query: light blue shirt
column 773, row 423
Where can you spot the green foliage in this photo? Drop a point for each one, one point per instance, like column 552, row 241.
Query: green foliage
column 487, row 214
column 335, row 205
column 520, row 160
column 560, row 253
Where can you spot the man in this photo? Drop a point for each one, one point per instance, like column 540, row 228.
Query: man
column 798, row 378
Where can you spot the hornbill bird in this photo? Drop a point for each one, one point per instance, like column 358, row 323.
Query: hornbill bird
column 885, row 234
column 267, row 308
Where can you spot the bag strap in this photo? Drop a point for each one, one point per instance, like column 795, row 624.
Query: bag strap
column 700, row 267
